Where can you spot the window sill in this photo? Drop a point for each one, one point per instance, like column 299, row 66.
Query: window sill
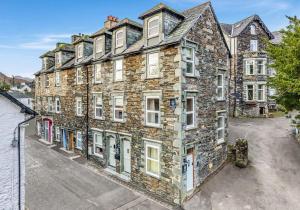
column 221, row 100
column 98, row 118
column 118, row 80
column 153, row 126
column 154, row 77
column 221, row 141
column 97, row 83
column 119, row 121
column 78, row 148
column 190, row 76
column 153, row 175
column 79, row 115
column 191, row 128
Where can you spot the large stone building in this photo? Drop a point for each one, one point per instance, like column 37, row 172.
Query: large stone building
column 148, row 102
column 249, row 94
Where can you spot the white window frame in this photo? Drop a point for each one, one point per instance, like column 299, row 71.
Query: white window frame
column 263, row 66
column 79, row 49
column 47, row 80
column 221, row 140
column 253, row 29
column 95, row 144
column 77, row 140
column 253, row 45
column 247, row 95
column 263, row 92
column 57, row 108
column 189, row 61
column 57, row 134
column 155, row 26
column 98, row 45
column 151, row 65
column 95, row 96
column 222, row 87
column 248, row 64
column 190, row 112
column 50, row 104
column 79, row 77
column 119, row 40
column 118, row 71
column 97, row 71
column 79, row 113
column 45, row 62
column 151, row 159
column 151, row 111
column 114, row 108
column 57, row 78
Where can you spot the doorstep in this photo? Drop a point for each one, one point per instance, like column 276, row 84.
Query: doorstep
column 44, row 141
column 121, row 176
column 67, row 151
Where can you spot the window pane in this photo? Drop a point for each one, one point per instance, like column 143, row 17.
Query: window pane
column 220, row 134
column 153, row 153
column 118, row 102
column 152, row 117
column 118, row 114
column 190, row 119
column 220, row 80
column 189, row 67
column 220, row 122
column 153, row 104
column 189, row 103
column 152, row 166
column 220, row 93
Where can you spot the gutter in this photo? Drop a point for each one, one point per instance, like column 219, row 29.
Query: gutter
column 19, row 154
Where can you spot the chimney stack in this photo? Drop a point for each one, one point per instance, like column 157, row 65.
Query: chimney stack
column 110, row 22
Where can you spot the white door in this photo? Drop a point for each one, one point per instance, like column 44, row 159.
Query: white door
column 126, row 159
column 112, row 151
column 189, row 172
column 38, row 125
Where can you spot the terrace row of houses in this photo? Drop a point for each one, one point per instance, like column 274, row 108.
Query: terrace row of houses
column 150, row 102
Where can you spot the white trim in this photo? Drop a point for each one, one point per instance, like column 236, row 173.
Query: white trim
column 114, row 109
column 94, row 144
column 118, row 38
column 151, row 111
column 222, row 87
column 190, row 112
column 192, row 61
column 147, row 145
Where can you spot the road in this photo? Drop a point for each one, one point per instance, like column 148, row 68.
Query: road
column 272, row 179
column 54, row 181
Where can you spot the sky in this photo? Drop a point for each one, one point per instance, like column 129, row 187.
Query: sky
column 28, row 28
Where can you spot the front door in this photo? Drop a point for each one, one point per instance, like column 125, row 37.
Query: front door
column 190, row 172
column 112, row 151
column 46, row 134
column 126, row 158
column 71, row 140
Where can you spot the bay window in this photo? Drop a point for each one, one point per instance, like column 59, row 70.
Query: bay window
column 260, row 92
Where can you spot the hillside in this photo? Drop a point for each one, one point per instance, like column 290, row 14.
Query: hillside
column 16, row 80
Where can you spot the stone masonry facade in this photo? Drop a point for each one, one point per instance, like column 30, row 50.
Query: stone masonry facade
column 147, row 102
column 249, row 93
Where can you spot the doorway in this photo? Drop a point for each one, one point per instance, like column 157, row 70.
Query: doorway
column 112, row 151
column 190, row 170
column 127, row 156
column 261, row 110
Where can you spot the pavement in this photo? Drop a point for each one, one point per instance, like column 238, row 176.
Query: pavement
column 272, row 179
column 54, row 181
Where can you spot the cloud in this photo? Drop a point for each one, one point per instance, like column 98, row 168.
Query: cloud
column 46, row 42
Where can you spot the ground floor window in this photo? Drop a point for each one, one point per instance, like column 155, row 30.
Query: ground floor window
column 220, row 127
column 98, row 144
column 57, row 133
column 152, row 159
column 79, row 140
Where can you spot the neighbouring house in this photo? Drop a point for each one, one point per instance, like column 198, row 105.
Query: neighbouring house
column 249, row 66
column 23, row 88
column 146, row 101
column 24, row 98
column 14, row 116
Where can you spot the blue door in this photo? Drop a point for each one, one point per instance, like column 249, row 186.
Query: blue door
column 65, row 141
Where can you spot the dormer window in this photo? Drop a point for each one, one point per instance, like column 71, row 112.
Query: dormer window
column 119, row 38
column 44, row 63
column 253, row 30
column 153, row 27
column 98, row 45
column 80, row 51
column 58, row 58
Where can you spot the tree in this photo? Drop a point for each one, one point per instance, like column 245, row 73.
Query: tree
column 286, row 61
column 4, row 86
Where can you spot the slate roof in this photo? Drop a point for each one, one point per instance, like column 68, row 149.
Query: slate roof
column 68, row 64
column 238, row 27
column 64, row 47
column 277, row 37
column 159, row 7
column 48, row 54
column 18, row 94
column 101, row 32
column 83, row 38
column 127, row 21
column 85, row 60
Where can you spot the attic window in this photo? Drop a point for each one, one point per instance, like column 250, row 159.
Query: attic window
column 119, row 38
column 58, row 58
column 80, row 51
column 153, row 27
column 98, row 47
column 253, row 30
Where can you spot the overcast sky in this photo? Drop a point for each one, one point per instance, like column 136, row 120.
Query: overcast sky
column 28, row 28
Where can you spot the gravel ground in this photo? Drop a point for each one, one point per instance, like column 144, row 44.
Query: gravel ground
column 272, row 179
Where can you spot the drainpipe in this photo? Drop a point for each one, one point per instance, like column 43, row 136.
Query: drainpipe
column 19, row 156
column 87, row 113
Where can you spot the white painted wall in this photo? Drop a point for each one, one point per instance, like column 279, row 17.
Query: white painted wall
column 10, row 117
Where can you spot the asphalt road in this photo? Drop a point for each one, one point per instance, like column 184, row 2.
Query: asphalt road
column 272, row 179
column 53, row 181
